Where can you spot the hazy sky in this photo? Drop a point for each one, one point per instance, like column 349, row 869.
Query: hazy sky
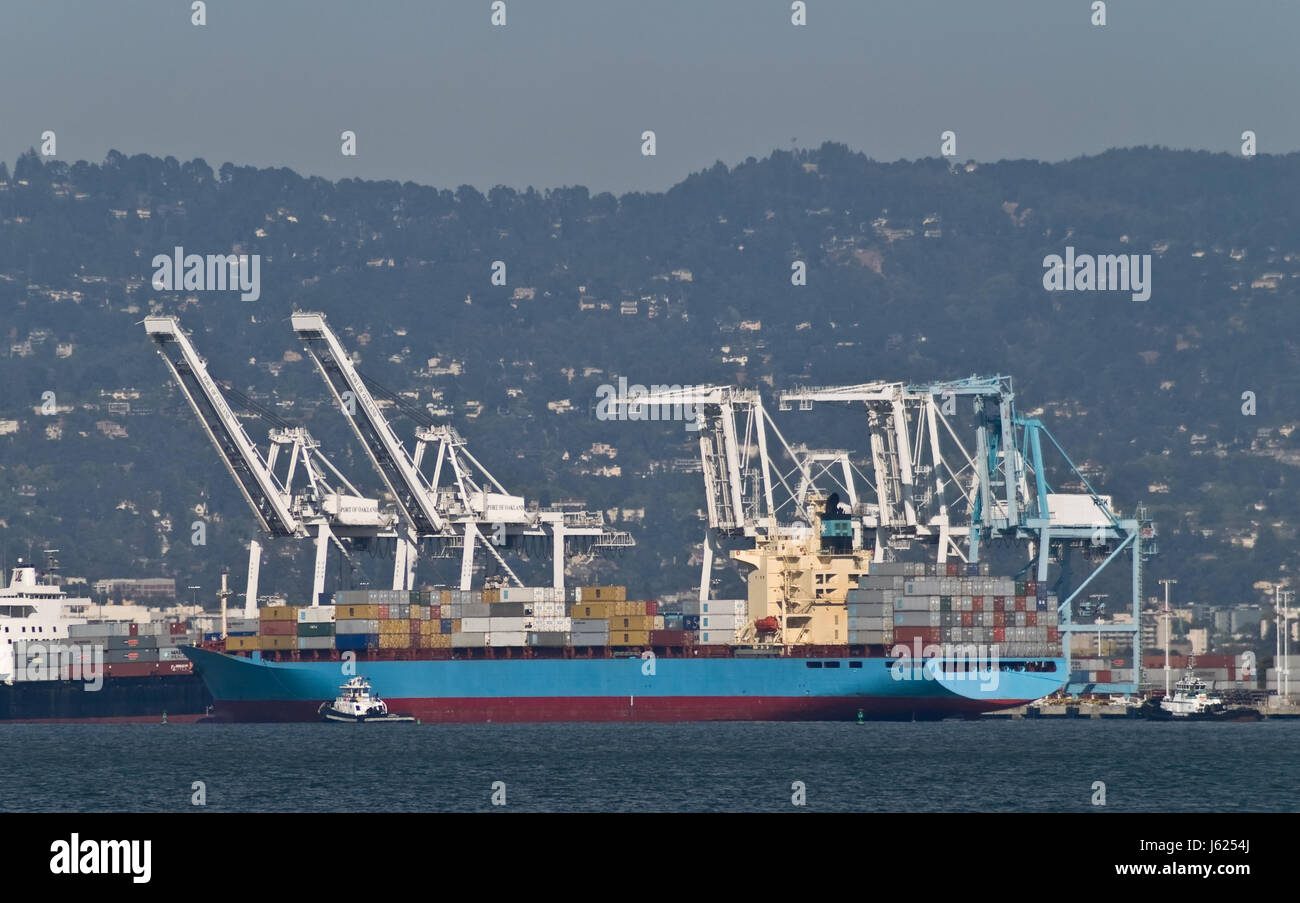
column 562, row 93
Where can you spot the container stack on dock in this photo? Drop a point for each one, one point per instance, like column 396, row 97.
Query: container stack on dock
column 907, row 602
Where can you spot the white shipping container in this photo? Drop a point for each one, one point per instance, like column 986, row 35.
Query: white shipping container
column 319, row 614
column 724, row 607
column 720, row 622
column 477, row 625
column 716, row 637
column 506, row 638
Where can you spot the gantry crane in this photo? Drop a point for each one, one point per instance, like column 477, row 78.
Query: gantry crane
column 1000, row 489
column 472, row 508
column 742, row 482
column 317, row 508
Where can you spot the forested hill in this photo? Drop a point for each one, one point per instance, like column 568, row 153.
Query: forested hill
column 914, row 270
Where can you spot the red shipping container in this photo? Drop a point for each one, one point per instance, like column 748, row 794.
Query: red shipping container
column 999, row 603
column 130, row 669
column 977, row 603
column 134, row 629
column 175, row 667
column 1031, row 587
column 1103, row 677
column 176, row 628
column 954, row 569
column 383, row 611
column 436, row 614
column 652, row 608
column 669, row 637
column 967, row 619
column 999, row 619
column 1031, row 619
column 999, row 635
column 278, row 628
column 1020, row 603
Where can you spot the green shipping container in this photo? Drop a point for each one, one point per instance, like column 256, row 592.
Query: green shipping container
column 321, row 629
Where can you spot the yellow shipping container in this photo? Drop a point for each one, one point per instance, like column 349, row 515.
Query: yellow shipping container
column 455, row 626
column 357, row 612
column 279, row 613
column 491, row 595
column 279, row 642
column 243, row 643
column 629, row 638
column 594, row 609
column 435, row 641
column 394, row 641
column 444, row 597
column 632, row 622
column 428, row 628
column 416, row 612
column 604, row 594
column 394, row 626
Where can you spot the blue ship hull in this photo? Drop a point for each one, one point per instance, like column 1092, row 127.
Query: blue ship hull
column 626, row 689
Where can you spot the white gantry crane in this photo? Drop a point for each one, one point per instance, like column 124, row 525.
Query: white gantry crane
column 460, row 502
column 746, row 493
column 316, row 509
column 931, row 487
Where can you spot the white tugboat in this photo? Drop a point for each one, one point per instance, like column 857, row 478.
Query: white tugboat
column 1190, row 697
column 1192, row 701
column 356, row 704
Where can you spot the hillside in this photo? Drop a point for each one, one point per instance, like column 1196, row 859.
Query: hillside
column 915, row 270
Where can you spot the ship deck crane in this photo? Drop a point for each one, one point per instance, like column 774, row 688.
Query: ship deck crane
column 282, row 510
column 1000, row 489
column 461, row 502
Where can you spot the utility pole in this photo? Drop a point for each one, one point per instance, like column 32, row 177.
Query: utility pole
column 1167, row 612
column 1284, row 671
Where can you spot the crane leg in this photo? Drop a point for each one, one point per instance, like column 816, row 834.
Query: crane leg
column 467, row 557
column 706, row 569
column 404, row 564
column 557, row 556
column 254, row 566
column 322, row 551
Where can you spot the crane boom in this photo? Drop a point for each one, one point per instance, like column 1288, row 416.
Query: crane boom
column 390, row 458
column 268, row 499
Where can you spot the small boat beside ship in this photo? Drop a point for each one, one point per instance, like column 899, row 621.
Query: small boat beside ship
column 355, row 704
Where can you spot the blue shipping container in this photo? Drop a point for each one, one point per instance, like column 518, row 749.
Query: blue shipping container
column 356, row 641
column 444, row 625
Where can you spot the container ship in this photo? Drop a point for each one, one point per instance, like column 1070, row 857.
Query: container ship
column 62, row 659
column 824, row 634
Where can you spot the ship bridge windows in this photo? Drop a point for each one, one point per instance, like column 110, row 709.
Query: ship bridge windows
column 812, row 664
column 855, row 664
